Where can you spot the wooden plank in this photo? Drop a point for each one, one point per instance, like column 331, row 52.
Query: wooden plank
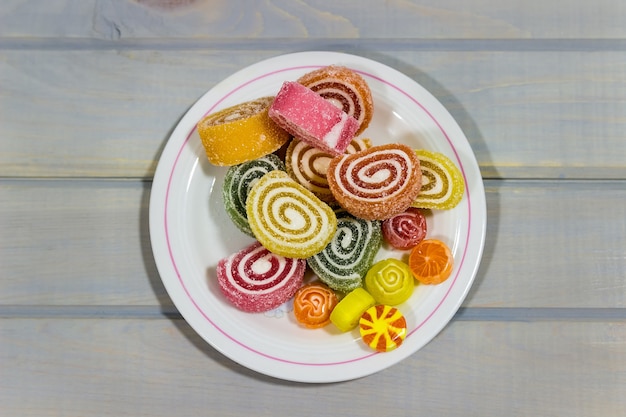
column 527, row 114
column 432, row 19
column 152, row 367
column 87, row 243
column 77, row 242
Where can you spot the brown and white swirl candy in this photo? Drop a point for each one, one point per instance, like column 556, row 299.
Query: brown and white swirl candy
column 345, row 88
column 308, row 165
column 377, row 183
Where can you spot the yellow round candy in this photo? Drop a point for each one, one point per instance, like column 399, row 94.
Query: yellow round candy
column 442, row 182
column 383, row 328
column 241, row 133
column 348, row 311
column 390, row 281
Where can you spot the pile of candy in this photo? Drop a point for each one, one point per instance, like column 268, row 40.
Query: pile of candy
column 327, row 205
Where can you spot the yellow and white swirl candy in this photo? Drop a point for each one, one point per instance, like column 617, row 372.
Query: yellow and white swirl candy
column 442, row 182
column 288, row 219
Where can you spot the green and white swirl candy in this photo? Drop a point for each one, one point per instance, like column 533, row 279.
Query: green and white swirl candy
column 343, row 263
column 238, row 183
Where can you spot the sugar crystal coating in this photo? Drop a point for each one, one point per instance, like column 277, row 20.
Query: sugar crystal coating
column 256, row 280
column 287, row 218
column 309, row 117
column 442, row 182
column 238, row 182
column 345, row 88
column 376, row 183
column 240, row 133
column 343, row 263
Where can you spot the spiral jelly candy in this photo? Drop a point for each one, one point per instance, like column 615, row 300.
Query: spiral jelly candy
column 239, row 180
column 240, row 133
column 442, row 182
column 342, row 264
column 376, row 183
column 345, row 88
column 256, row 280
column 308, row 165
column 287, row 218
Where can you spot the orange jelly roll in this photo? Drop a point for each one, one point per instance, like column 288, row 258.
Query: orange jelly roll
column 308, row 165
column 241, row 133
column 377, row 183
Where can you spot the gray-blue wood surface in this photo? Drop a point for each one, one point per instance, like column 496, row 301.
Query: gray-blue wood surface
column 90, row 92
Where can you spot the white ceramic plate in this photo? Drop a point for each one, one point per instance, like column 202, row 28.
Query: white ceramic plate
column 191, row 231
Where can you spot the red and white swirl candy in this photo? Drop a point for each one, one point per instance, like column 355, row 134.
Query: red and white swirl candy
column 406, row 229
column 256, row 280
column 377, row 183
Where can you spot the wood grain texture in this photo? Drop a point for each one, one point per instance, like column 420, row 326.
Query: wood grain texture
column 161, row 367
column 432, row 19
column 90, row 91
column 87, row 242
column 109, row 113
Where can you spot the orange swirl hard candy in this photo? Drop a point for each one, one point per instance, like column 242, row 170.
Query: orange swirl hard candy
column 240, row 133
column 313, row 304
column 345, row 88
column 383, row 328
column 377, row 183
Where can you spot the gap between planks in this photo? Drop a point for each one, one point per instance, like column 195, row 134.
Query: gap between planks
column 331, row 44
column 485, row 314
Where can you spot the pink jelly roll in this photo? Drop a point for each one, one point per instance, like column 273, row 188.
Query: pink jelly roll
column 309, row 117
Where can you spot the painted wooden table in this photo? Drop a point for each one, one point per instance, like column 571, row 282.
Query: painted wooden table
column 90, row 92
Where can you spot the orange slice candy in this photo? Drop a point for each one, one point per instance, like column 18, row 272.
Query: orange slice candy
column 312, row 305
column 431, row 261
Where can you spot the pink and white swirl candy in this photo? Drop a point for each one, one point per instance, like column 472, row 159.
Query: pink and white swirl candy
column 256, row 280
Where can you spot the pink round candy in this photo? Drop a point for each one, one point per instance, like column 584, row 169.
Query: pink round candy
column 405, row 230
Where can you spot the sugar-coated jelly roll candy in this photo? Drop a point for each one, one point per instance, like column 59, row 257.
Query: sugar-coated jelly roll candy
column 345, row 88
column 239, row 180
column 308, row 165
column 309, row 117
column 343, row 263
column 313, row 303
column 390, row 281
column 287, row 218
column 442, row 181
column 256, row 280
column 383, row 328
column 240, row 133
column 376, row 183
column 406, row 229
